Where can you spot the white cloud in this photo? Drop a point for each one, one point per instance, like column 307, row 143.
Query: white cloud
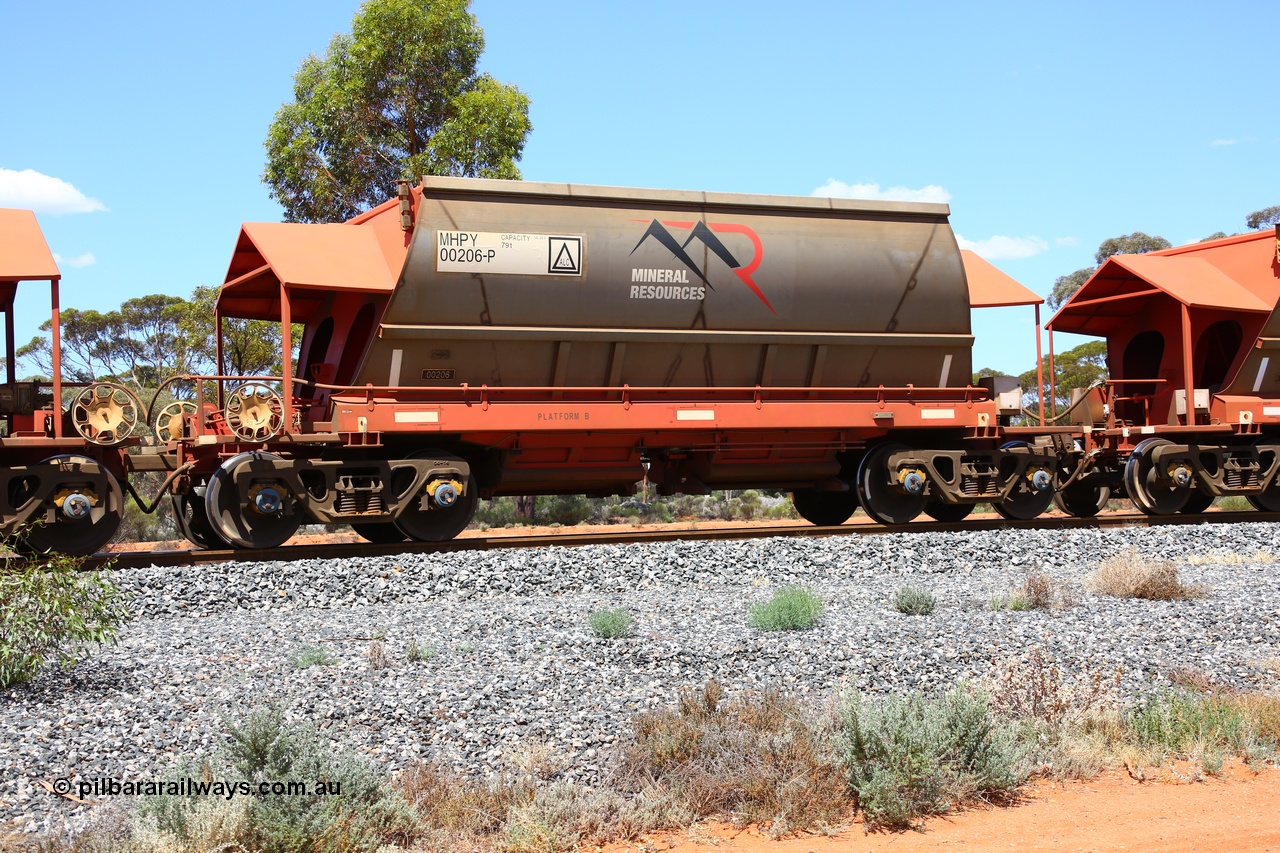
column 1218, row 142
column 43, row 194
column 839, row 189
column 85, row 260
column 1066, row 241
column 1000, row 246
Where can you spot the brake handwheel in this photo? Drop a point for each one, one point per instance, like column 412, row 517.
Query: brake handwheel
column 255, row 412
column 172, row 420
column 105, row 414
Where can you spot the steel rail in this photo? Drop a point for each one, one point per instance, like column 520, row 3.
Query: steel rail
column 349, row 550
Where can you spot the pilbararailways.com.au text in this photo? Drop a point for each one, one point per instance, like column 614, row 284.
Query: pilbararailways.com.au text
column 105, row 786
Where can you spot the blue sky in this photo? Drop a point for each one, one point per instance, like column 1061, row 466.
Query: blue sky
column 1047, row 127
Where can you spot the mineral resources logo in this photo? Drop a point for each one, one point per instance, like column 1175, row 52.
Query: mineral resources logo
column 675, row 283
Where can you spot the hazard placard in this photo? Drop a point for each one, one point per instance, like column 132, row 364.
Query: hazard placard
column 564, row 255
column 497, row 253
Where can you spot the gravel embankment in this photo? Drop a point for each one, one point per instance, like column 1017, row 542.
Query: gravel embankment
column 511, row 662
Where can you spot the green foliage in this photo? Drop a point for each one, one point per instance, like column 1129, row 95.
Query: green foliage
column 151, row 338
column 1078, row 367
column 363, row 816
column 914, row 601
column 304, row 656
column 791, row 608
column 50, row 609
column 916, row 756
column 397, row 98
column 1015, row 601
column 1268, row 217
column 609, row 624
column 564, row 509
column 1216, row 235
column 1066, row 285
column 1208, row 727
column 1136, row 243
column 417, row 652
column 249, row 347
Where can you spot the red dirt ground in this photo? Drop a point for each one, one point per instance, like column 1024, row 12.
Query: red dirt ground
column 1240, row 811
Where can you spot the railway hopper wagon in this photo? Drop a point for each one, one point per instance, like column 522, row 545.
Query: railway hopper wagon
column 1192, row 407
column 476, row 338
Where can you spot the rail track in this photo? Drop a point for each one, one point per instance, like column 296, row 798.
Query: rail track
column 624, row 536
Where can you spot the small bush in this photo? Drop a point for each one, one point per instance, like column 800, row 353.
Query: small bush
column 377, row 654
column 914, row 601
column 566, row 510
column 362, row 816
column 1131, row 575
column 755, row 759
column 792, row 608
column 50, row 609
column 917, row 756
column 1032, row 687
column 304, row 656
column 609, row 624
column 1013, row 601
column 417, row 652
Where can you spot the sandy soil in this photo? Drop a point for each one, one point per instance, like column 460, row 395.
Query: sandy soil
column 1238, row 812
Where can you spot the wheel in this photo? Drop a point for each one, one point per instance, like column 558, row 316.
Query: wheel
column 172, row 420
column 258, row 522
column 437, row 525
column 1025, row 501
column 105, row 414
column 825, row 509
column 1140, row 481
column 1082, row 500
column 939, row 511
column 192, row 519
column 89, row 509
column 379, row 534
column 878, row 497
column 255, row 412
column 1196, row 503
column 1268, row 501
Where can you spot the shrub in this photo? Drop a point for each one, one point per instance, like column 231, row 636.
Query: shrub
column 1032, row 687
column 566, row 510
column 756, row 759
column 609, row 624
column 304, row 656
column 50, row 609
column 914, row 601
column 417, row 651
column 1131, row 575
column 499, row 512
column 377, row 654
column 362, row 816
column 792, row 608
column 917, row 756
column 1013, row 601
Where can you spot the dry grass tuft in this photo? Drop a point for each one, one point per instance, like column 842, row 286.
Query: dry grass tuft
column 377, row 654
column 1231, row 559
column 758, row 759
column 1132, row 575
